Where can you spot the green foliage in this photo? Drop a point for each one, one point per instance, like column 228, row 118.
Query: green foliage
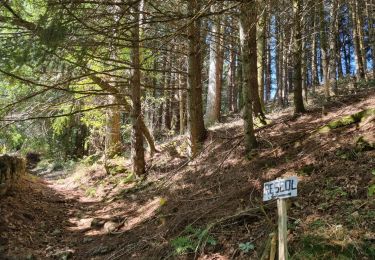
column 182, row 245
column 94, row 119
column 91, row 192
column 53, row 34
column 192, row 239
column 12, row 139
column 335, row 192
column 311, row 247
column 246, row 247
column 347, row 154
column 371, row 190
column 60, row 124
column 90, row 160
column 317, row 224
column 128, row 179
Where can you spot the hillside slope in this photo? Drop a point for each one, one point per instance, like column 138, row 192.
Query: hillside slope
column 211, row 207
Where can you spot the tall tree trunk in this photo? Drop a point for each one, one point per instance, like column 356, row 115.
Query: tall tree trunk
column 240, row 81
column 370, row 10
column 167, row 93
column 215, row 72
column 298, row 98
column 333, row 65
column 279, row 61
column 248, row 43
column 356, row 40
column 268, row 73
column 182, row 103
column 360, row 8
column 219, row 72
column 138, row 159
column 346, row 49
column 261, row 48
column 314, row 54
column 324, row 48
column 232, row 102
column 113, row 126
column 197, row 130
column 338, row 56
column 175, row 100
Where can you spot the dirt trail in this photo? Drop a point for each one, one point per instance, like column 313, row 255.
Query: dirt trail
column 39, row 220
column 45, row 219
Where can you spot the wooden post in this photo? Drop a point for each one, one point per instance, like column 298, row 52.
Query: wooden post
column 282, row 223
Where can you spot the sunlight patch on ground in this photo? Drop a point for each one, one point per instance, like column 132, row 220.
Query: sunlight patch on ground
column 143, row 213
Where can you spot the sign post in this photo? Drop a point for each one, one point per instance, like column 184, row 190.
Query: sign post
column 281, row 189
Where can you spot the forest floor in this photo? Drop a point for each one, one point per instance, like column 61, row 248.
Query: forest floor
column 210, row 207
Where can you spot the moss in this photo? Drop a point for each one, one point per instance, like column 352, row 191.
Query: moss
column 364, row 144
column 347, row 120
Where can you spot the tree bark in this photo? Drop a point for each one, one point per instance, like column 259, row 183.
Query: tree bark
column 112, row 130
column 213, row 105
column 138, row 159
column 167, row 94
column 298, row 98
column 182, row 103
column 314, row 55
column 370, row 10
column 120, row 99
column 197, row 130
column 324, row 49
column 356, row 40
column 279, row 61
column 248, row 45
column 261, row 49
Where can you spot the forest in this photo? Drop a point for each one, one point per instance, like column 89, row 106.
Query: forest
column 146, row 129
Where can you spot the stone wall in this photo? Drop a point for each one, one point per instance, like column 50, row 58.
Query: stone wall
column 11, row 169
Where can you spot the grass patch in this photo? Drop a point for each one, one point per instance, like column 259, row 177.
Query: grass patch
column 191, row 240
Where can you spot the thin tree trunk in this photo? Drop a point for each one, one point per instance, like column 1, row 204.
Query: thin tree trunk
column 279, row 62
column 230, row 78
column 338, row 57
column 261, row 50
column 182, row 103
column 346, row 49
column 196, row 124
column 213, row 105
column 167, row 94
column 361, row 32
column 268, row 70
column 219, row 72
column 370, row 8
column 298, row 98
column 314, row 65
column 324, row 48
column 240, row 83
column 356, row 40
